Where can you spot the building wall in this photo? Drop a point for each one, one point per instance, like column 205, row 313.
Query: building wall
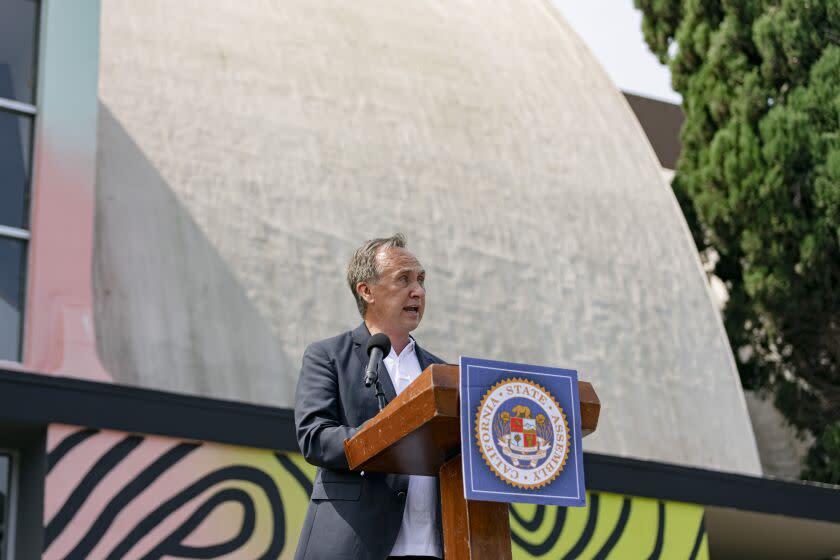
column 245, row 153
column 117, row 495
column 59, row 335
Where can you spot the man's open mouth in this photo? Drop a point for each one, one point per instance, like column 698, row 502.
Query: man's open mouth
column 412, row 308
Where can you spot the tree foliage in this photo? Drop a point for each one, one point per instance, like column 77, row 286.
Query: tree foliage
column 759, row 182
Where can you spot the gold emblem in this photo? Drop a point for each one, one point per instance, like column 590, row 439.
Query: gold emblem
column 522, row 433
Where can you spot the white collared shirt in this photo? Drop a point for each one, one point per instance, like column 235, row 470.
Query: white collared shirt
column 418, row 534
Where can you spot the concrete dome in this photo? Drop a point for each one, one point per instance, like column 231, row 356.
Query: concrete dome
column 247, row 148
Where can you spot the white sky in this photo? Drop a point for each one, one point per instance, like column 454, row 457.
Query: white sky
column 613, row 31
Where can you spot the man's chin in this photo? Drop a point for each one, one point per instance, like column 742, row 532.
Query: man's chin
column 412, row 324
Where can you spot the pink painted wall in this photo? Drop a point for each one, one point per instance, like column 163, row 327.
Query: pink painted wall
column 58, row 324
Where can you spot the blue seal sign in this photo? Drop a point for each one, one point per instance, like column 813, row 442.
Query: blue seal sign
column 520, row 433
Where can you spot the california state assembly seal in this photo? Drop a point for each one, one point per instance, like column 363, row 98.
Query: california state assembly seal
column 522, row 433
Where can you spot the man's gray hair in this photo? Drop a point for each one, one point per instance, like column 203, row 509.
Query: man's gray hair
column 363, row 265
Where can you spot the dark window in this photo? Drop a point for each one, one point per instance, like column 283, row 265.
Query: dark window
column 18, row 21
column 12, row 254
column 5, row 488
column 15, row 143
column 18, row 58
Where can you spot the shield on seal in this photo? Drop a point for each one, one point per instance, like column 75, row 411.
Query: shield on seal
column 523, row 432
column 529, row 432
column 516, row 431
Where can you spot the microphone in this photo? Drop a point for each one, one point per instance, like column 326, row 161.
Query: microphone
column 378, row 347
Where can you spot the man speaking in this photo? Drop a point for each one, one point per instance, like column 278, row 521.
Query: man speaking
column 356, row 515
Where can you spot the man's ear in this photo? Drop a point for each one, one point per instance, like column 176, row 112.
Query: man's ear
column 363, row 289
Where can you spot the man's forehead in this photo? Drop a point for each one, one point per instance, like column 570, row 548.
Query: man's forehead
column 398, row 258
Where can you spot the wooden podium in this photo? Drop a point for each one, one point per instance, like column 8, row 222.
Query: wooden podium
column 419, row 432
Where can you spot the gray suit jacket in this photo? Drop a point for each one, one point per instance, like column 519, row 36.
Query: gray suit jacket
column 350, row 516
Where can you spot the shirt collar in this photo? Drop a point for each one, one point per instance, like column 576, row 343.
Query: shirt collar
column 407, row 351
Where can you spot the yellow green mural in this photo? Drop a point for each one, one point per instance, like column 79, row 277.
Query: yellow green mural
column 610, row 526
column 113, row 495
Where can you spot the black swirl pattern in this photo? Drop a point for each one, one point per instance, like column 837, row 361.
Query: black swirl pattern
column 549, row 541
column 173, row 544
column 238, row 473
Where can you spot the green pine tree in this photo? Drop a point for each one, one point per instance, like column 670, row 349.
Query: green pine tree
column 759, row 183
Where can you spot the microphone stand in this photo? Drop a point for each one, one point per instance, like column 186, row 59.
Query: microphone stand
column 380, row 394
column 372, row 378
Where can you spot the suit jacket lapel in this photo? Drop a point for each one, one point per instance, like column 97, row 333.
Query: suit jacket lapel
column 387, row 384
column 361, row 335
column 423, row 357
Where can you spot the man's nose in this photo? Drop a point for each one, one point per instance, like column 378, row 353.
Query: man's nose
column 418, row 290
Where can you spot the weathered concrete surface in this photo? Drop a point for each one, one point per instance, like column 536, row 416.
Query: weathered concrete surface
column 781, row 448
column 289, row 132
column 170, row 314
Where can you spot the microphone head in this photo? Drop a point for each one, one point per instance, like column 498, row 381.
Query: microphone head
column 381, row 341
